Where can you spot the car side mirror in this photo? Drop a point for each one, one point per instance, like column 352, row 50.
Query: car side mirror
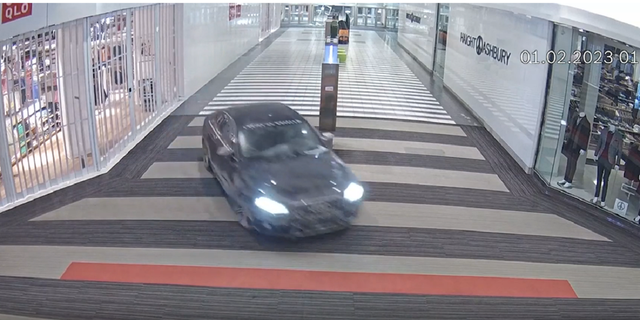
column 327, row 138
column 225, row 151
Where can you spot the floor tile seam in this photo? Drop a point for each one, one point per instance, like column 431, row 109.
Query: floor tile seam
column 356, row 230
column 33, row 208
column 626, row 236
column 254, row 51
column 413, row 236
column 539, row 193
column 187, row 131
column 389, row 44
column 511, row 174
column 577, row 233
column 368, row 202
column 286, row 304
column 366, row 157
column 403, row 175
column 159, row 142
column 460, row 112
column 393, row 193
column 304, row 260
column 401, row 199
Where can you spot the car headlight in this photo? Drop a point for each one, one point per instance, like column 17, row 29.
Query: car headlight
column 353, row 192
column 271, row 206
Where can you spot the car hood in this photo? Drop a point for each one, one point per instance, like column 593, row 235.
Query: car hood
column 303, row 178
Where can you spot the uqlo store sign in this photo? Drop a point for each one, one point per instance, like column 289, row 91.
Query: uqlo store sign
column 15, row 11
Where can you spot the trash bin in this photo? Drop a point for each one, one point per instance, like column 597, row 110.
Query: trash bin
column 342, row 57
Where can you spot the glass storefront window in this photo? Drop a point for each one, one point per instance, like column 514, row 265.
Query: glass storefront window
column 590, row 134
column 391, row 18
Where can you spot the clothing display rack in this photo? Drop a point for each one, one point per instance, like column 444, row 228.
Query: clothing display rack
column 30, row 93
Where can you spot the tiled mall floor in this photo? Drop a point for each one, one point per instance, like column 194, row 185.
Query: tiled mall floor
column 374, row 82
column 451, row 229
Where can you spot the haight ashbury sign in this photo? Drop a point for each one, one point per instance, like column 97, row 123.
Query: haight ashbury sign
column 482, row 47
column 413, row 18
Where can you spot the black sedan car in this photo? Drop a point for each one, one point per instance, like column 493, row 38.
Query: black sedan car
column 278, row 172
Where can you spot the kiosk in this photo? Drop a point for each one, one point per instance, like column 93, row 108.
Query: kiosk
column 329, row 89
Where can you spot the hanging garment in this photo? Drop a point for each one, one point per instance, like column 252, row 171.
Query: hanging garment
column 632, row 164
column 610, row 147
column 602, row 178
column 572, row 164
column 118, row 78
column 99, row 92
column 117, row 52
column 23, row 91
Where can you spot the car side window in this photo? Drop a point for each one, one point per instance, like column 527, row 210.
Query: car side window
column 232, row 132
column 226, row 130
column 220, row 119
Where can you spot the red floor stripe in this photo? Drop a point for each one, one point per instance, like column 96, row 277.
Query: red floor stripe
column 279, row 279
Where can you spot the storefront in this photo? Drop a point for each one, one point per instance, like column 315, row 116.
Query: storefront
column 563, row 101
column 70, row 106
column 590, row 133
column 379, row 15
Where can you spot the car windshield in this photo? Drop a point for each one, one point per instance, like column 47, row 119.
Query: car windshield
column 278, row 139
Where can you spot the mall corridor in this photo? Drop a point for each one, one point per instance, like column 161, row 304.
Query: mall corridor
column 452, row 228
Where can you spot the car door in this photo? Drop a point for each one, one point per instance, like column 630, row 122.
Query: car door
column 213, row 138
column 226, row 165
column 216, row 141
column 210, row 136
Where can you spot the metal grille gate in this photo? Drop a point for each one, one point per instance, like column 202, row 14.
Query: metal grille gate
column 76, row 94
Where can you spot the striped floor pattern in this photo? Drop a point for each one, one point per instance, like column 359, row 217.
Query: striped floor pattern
column 374, row 82
column 438, row 223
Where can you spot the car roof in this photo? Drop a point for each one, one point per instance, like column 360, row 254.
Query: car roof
column 255, row 113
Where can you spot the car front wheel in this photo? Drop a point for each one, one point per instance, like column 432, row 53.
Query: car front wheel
column 243, row 217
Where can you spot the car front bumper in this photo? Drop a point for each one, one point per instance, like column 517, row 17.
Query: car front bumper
column 306, row 221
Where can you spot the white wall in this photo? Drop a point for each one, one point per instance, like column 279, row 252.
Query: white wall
column 211, row 42
column 508, row 98
column 614, row 20
column 418, row 37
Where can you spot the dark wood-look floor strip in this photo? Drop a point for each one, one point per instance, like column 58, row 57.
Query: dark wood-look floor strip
column 411, row 242
column 376, row 191
column 82, row 300
column 375, row 134
column 363, row 157
column 528, row 186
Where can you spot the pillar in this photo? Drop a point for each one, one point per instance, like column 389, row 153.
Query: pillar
column 6, row 139
column 354, row 13
column 559, row 91
column 383, row 18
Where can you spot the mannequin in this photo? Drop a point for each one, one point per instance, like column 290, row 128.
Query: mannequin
column 632, row 164
column 576, row 143
column 607, row 155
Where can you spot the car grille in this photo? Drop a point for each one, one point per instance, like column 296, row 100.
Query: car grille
column 321, row 215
